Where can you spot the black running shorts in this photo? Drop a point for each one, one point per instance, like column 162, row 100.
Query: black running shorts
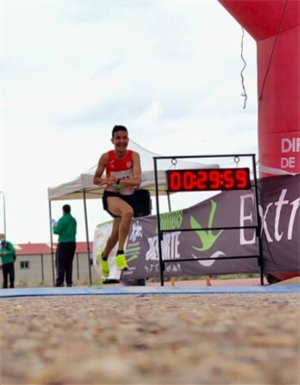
column 130, row 199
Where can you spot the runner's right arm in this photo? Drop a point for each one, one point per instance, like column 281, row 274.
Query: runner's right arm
column 98, row 180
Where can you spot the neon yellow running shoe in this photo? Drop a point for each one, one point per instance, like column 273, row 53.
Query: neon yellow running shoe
column 121, row 262
column 104, row 265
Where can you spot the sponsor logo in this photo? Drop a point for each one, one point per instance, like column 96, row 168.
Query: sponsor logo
column 136, row 231
column 281, row 225
column 206, row 237
column 134, row 248
column 169, row 245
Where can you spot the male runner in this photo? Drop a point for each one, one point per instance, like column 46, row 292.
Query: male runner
column 123, row 174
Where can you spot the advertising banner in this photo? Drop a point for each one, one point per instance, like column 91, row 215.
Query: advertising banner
column 279, row 201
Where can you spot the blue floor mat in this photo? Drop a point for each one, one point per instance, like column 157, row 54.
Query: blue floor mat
column 146, row 290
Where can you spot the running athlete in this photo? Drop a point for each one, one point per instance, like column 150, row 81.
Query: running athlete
column 122, row 175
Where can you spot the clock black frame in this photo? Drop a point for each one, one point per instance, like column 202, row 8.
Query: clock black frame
column 248, row 185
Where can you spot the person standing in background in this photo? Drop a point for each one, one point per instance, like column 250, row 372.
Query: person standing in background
column 8, row 256
column 66, row 229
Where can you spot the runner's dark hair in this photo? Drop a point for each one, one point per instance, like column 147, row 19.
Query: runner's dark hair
column 118, row 128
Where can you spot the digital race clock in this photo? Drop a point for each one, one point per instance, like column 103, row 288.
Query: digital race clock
column 208, row 179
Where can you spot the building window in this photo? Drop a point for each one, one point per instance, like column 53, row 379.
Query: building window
column 24, row 265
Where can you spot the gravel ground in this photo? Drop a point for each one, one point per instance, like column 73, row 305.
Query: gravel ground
column 174, row 339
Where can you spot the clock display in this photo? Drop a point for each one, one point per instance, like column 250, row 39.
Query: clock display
column 208, row 179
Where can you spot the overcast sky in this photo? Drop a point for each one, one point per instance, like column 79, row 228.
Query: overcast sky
column 71, row 70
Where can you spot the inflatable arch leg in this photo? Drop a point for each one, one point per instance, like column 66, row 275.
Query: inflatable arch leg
column 275, row 25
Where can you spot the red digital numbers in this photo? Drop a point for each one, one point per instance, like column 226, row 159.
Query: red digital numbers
column 209, row 179
column 228, row 179
column 241, row 179
column 188, row 181
column 174, row 181
column 215, row 180
column 201, row 179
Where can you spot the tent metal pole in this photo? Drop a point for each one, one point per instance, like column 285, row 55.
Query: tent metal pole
column 4, row 214
column 169, row 201
column 160, row 234
column 51, row 243
column 87, row 235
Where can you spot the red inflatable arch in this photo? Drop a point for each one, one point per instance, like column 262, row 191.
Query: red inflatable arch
column 275, row 25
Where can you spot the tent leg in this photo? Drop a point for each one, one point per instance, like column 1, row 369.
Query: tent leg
column 170, row 209
column 51, row 243
column 87, row 235
column 169, row 201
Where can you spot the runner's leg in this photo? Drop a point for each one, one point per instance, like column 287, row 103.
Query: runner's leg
column 122, row 209
column 113, row 238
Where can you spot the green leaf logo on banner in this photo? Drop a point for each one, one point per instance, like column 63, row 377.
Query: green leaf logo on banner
column 207, row 238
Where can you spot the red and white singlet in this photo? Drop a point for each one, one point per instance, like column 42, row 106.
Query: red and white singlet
column 120, row 169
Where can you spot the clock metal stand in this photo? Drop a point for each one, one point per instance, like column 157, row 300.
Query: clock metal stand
column 208, row 179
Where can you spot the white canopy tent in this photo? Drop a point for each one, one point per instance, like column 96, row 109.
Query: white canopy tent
column 82, row 187
column 83, row 184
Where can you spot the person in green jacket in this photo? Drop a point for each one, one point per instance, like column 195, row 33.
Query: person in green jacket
column 66, row 229
column 8, row 256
